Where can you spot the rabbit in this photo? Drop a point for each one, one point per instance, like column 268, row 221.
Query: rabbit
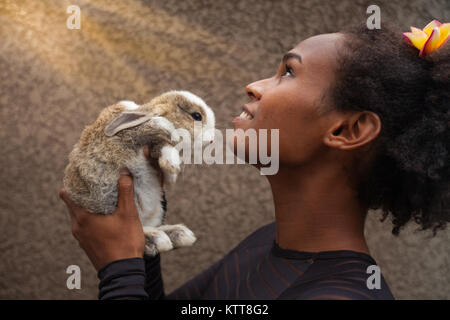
column 116, row 139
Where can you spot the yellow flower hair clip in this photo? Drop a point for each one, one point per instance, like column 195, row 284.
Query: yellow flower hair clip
column 432, row 37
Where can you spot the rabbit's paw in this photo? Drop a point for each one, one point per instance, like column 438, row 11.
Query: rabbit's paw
column 169, row 163
column 156, row 241
column 179, row 234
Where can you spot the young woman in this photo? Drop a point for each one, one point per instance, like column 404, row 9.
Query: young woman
column 363, row 125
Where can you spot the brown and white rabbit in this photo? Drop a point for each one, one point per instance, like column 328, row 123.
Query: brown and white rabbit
column 116, row 139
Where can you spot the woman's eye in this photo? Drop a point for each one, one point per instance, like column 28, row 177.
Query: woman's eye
column 288, row 72
column 196, row 116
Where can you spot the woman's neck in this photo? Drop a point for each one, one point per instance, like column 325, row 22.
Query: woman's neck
column 316, row 210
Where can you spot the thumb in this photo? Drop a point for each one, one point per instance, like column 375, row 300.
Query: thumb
column 126, row 193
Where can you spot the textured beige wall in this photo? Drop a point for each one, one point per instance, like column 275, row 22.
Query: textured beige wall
column 54, row 81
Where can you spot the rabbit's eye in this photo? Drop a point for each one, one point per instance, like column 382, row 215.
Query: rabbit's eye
column 196, row 116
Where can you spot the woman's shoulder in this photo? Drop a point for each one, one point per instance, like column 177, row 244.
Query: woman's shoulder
column 341, row 275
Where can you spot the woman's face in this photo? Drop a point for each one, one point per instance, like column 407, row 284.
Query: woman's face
column 292, row 99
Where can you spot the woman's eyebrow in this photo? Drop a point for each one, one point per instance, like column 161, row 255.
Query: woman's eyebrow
column 292, row 55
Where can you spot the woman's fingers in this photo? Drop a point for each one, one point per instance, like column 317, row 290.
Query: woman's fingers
column 147, row 152
column 125, row 202
column 76, row 212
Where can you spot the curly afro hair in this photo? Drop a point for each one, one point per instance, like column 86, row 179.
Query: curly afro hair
column 379, row 72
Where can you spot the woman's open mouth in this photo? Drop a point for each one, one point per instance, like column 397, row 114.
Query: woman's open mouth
column 245, row 115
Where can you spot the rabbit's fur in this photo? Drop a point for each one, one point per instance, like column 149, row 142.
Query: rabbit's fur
column 116, row 139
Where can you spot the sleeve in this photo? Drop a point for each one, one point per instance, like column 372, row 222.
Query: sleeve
column 153, row 278
column 122, row 279
column 141, row 279
column 135, row 278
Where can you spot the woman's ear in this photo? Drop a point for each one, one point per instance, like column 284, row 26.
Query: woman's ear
column 353, row 131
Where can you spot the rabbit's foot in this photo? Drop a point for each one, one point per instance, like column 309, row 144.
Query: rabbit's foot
column 156, row 241
column 169, row 162
column 179, row 234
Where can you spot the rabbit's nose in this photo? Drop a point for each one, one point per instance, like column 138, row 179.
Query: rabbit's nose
column 208, row 136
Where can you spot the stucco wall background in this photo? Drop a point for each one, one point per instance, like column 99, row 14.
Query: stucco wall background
column 54, row 81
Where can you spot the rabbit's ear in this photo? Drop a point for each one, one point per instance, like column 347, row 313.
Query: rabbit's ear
column 125, row 120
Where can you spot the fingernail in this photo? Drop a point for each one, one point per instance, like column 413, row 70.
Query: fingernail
column 124, row 172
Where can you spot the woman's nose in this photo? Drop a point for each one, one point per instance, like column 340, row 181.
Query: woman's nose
column 254, row 90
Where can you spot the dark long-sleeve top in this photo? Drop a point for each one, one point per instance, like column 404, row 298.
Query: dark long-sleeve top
column 255, row 269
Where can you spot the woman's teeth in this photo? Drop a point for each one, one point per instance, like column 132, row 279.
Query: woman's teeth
column 246, row 115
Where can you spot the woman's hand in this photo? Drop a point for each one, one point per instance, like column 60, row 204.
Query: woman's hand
column 106, row 238
column 115, row 236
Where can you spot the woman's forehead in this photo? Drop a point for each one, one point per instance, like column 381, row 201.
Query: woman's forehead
column 321, row 48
